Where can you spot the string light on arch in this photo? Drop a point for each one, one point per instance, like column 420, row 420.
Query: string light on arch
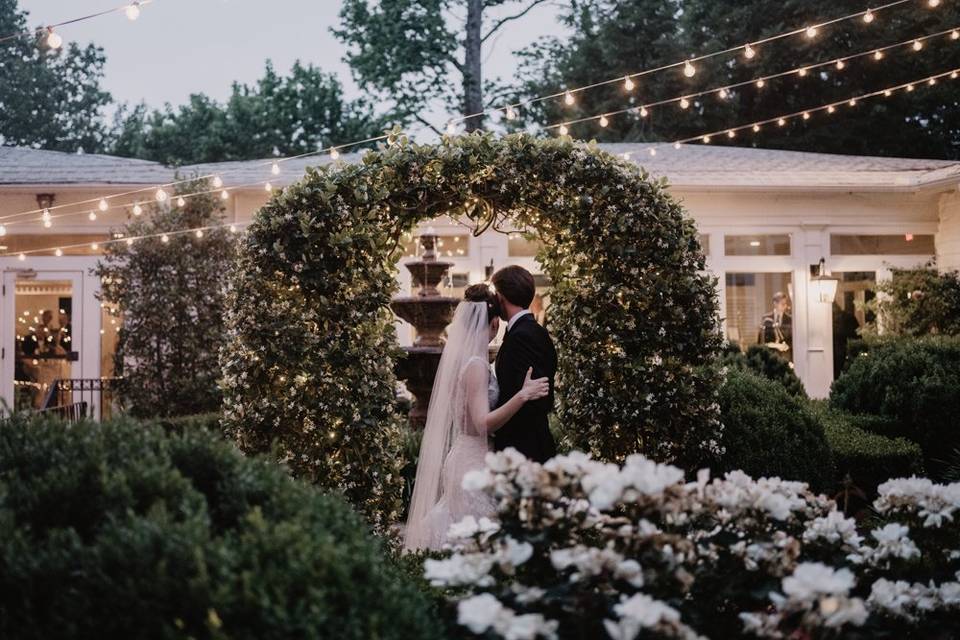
column 181, row 202
column 224, row 195
column 603, row 122
column 811, row 32
column 137, row 209
column 275, row 168
column 53, row 39
column 132, row 11
column 92, row 216
column 917, row 45
column 334, row 154
column 217, row 182
column 689, row 70
column 160, row 195
column 103, row 206
column 868, row 16
column 568, row 99
column 749, row 52
column 628, row 84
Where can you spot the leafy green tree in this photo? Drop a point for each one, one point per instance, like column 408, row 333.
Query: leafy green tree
column 49, row 99
column 286, row 115
column 409, row 50
column 917, row 302
column 611, row 39
column 170, row 295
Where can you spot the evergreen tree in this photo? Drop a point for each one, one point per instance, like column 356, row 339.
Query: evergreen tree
column 170, row 296
column 611, row 39
column 286, row 115
column 49, row 99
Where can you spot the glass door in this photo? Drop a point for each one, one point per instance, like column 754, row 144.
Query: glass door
column 41, row 342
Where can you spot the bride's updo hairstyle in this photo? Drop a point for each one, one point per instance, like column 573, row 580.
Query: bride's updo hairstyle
column 482, row 293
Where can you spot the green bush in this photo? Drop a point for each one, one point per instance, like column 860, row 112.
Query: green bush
column 208, row 422
column 768, row 432
column 867, row 458
column 912, row 387
column 919, row 301
column 123, row 531
column 764, row 362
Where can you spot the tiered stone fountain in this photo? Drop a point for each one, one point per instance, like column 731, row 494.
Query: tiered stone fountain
column 429, row 313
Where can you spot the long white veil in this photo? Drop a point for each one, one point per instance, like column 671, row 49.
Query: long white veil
column 468, row 335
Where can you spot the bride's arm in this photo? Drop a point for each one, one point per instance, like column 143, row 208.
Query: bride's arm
column 477, row 380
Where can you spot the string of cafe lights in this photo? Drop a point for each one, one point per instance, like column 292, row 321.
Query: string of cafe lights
column 54, row 40
column 748, row 49
column 838, row 64
column 164, row 237
column 705, row 138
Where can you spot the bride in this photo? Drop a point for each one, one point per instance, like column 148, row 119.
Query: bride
column 460, row 421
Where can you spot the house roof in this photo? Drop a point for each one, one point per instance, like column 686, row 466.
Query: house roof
column 692, row 167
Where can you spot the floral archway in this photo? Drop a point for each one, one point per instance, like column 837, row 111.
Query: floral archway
column 308, row 364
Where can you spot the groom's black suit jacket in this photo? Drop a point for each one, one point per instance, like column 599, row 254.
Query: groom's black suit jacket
column 526, row 345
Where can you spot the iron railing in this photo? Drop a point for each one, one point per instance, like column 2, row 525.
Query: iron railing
column 76, row 398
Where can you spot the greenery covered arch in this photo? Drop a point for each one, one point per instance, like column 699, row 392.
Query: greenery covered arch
column 308, row 367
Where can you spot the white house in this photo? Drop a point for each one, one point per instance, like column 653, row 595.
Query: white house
column 766, row 219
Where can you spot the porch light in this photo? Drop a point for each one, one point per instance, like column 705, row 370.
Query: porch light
column 824, row 286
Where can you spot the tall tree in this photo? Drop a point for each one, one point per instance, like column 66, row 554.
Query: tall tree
column 49, row 98
column 289, row 115
column 408, row 50
column 607, row 33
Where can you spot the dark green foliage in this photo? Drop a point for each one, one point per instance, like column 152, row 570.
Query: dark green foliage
column 287, row 115
column 912, row 386
column 611, row 38
column 768, row 432
column 765, row 363
column 179, row 425
column 632, row 313
column 120, row 531
column 49, row 99
column 867, row 458
column 170, row 296
column 921, row 301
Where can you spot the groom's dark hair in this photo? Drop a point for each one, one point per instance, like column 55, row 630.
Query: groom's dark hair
column 516, row 284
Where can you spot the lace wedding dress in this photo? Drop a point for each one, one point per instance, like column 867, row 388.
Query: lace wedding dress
column 470, row 447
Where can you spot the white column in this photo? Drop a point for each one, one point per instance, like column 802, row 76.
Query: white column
column 948, row 233
column 813, row 336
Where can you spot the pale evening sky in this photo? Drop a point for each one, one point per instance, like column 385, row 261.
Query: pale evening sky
column 179, row 47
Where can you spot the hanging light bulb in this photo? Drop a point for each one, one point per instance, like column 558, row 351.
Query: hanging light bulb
column 275, row 168
column 180, row 201
column 909, row 87
column 684, row 103
column 628, row 84
column 831, row 109
column 563, row 130
column 137, row 209
column 94, row 246
column 917, row 45
column 932, row 81
column 54, row 41
column 878, row 55
column 689, row 70
column 781, row 121
column 749, row 52
column 3, row 229
column 706, row 139
column 723, row 93
column 47, row 224
column 161, row 195
column 761, row 83
column 568, row 98
column 451, row 128
column 199, row 233
column 129, row 242
column 953, row 76
column 224, row 195
column 103, row 206
column 653, row 152
column 756, row 128
column 217, row 182
column 731, row 134
column 233, row 228
column 676, row 145
column 933, row 3
column 802, row 71
column 868, row 16
column 164, row 238
column 643, row 112
column 58, row 252
column 132, row 11
column 334, row 154
column 806, row 115
column 268, row 188
column 812, row 32
column 887, row 93
column 955, row 34
column 45, row 215
column 852, row 102
column 841, row 65
column 510, row 112
column 22, row 257
column 603, row 121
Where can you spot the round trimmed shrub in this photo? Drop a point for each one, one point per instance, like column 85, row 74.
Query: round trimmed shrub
column 912, row 385
column 765, row 363
column 768, row 432
column 121, row 531
column 308, row 366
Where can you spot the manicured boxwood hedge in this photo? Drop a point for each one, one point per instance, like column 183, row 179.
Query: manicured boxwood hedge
column 867, row 458
column 912, row 388
column 764, row 362
column 124, row 531
column 768, row 432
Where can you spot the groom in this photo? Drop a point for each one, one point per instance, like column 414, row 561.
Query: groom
column 525, row 345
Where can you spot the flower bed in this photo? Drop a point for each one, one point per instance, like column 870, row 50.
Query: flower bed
column 584, row 549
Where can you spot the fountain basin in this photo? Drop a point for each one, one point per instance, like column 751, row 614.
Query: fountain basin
column 429, row 315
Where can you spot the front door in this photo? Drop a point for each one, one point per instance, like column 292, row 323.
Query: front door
column 42, row 341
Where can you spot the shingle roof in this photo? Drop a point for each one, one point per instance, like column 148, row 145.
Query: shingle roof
column 691, row 166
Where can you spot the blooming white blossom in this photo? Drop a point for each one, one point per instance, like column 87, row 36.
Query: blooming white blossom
column 833, row 528
column 478, row 613
column 813, row 579
column 459, row 569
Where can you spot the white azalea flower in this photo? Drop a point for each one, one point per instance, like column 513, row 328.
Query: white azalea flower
column 813, row 579
column 478, row 613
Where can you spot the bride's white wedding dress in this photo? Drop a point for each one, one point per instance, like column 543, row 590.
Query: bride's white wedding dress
column 470, row 447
